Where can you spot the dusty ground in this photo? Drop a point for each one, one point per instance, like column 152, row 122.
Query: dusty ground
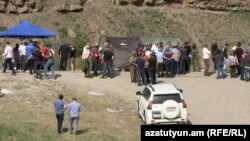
column 209, row 101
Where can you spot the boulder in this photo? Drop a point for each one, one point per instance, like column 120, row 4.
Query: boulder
column 3, row 6
column 71, row 33
column 17, row 2
column 39, row 5
column 76, row 7
column 11, row 8
column 24, row 9
column 123, row 2
column 63, row 7
column 149, row 2
column 31, row 3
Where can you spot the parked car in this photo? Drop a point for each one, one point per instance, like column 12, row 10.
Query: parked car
column 162, row 104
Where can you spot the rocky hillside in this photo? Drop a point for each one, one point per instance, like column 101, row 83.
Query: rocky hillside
column 31, row 6
column 219, row 5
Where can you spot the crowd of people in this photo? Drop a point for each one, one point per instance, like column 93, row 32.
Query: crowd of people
column 152, row 60
column 234, row 60
column 146, row 63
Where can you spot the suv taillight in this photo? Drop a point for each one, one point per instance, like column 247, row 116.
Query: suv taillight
column 184, row 104
column 149, row 105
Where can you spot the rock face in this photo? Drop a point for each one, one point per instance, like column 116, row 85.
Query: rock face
column 216, row 5
column 219, row 5
column 29, row 6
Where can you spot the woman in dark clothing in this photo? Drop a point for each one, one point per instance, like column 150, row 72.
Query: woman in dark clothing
column 219, row 61
column 214, row 52
column 16, row 57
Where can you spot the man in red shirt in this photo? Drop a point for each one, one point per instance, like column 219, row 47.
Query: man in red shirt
column 95, row 59
column 43, row 50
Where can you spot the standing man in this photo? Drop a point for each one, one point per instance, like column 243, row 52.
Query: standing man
column 160, row 63
column 22, row 51
column 73, row 109
column 38, row 58
column 60, row 107
column 8, row 56
column 50, row 63
column 107, row 59
column 206, row 54
column 63, row 53
column 29, row 56
column 132, row 67
column 95, row 59
column 86, row 61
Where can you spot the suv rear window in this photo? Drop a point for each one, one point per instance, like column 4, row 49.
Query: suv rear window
column 159, row 99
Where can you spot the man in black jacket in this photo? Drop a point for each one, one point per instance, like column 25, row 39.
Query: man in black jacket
column 38, row 58
column 63, row 53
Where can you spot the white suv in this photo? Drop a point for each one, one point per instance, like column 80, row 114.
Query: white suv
column 162, row 104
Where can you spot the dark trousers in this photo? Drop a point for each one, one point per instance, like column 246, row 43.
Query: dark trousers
column 63, row 63
column 187, row 63
column 59, row 118
column 182, row 66
column 95, row 66
column 30, row 65
column 169, row 68
column 152, row 75
column 215, row 68
column 9, row 63
column 37, row 68
column 147, row 76
column 160, row 68
column 242, row 77
column 23, row 62
column 233, row 71
column 206, row 62
column 17, row 64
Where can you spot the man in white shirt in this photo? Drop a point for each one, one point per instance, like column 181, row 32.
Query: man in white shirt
column 205, row 56
column 86, row 61
column 160, row 63
column 8, row 55
column 22, row 52
column 74, row 108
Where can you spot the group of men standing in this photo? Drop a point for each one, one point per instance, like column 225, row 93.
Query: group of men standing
column 32, row 56
column 234, row 59
column 73, row 110
column 151, row 59
column 91, row 58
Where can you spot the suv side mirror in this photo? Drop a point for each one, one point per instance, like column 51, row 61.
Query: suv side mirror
column 138, row 93
column 181, row 90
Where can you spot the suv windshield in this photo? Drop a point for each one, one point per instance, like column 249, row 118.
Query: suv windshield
column 159, row 99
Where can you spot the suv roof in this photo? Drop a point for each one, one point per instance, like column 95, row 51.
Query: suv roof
column 163, row 89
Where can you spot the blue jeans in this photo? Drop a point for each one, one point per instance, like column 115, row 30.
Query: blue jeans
column 176, row 67
column 247, row 73
column 220, row 70
column 73, row 124
column 107, row 66
column 141, row 77
column 49, row 64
